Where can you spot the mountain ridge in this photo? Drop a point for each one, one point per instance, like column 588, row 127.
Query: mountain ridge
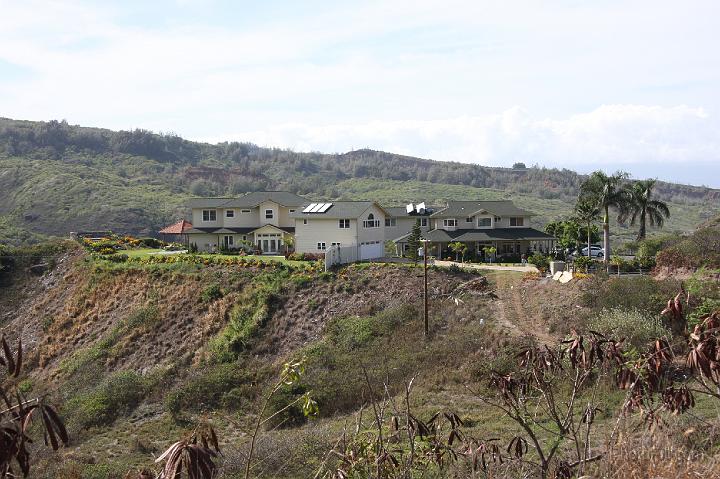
column 55, row 178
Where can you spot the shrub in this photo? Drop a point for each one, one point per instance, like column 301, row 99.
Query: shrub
column 118, row 394
column 637, row 327
column 151, row 243
column 208, row 388
column 637, row 292
column 582, row 263
column 540, row 261
column 211, row 293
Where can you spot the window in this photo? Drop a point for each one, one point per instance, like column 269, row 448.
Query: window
column 517, row 221
column 229, row 213
column 371, row 222
column 450, row 223
column 321, row 246
column 423, row 222
column 334, row 244
column 305, row 221
column 244, row 211
column 292, row 211
column 344, row 224
column 390, row 222
column 244, row 238
column 468, row 220
column 228, row 241
column 269, row 214
column 209, row 215
column 484, row 222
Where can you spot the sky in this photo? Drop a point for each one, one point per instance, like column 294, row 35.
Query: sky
column 584, row 85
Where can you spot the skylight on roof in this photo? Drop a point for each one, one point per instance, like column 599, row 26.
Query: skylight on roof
column 309, row 207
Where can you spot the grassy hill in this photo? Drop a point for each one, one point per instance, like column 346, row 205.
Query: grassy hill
column 56, row 178
column 135, row 354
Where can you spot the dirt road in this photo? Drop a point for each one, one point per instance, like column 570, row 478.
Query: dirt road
column 513, row 311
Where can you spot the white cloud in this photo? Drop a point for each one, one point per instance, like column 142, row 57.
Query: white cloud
column 406, row 76
column 632, row 136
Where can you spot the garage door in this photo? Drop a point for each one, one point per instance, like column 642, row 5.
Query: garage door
column 371, row 250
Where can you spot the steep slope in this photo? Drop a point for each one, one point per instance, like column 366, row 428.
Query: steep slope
column 56, row 178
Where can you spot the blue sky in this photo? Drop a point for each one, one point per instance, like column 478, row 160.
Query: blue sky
column 584, row 85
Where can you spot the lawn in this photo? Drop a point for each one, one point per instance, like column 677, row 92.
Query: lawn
column 146, row 252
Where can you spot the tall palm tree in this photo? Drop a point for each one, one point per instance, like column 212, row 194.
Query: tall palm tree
column 586, row 212
column 643, row 209
column 606, row 192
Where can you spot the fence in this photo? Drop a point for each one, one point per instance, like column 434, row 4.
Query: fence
column 340, row 255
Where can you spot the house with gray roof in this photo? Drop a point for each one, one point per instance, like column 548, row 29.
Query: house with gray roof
column 260, row 219
column 481, row 224
column 358, row 225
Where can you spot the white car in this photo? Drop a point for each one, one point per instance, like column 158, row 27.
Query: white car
column 596, row 251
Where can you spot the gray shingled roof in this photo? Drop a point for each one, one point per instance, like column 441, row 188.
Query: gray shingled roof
column 400, row 211
column 249, row 200
column 456, row 209
column 339, row 209
column 492, row 234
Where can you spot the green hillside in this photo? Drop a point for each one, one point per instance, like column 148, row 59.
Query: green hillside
column 56, row 178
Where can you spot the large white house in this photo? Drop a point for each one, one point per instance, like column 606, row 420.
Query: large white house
column 357, row 224
column 270, row 220
column 261, row 218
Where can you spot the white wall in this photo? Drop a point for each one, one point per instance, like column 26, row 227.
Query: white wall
column 371, row 234
column 322, row 230
column 269, row 205
column 204, row 242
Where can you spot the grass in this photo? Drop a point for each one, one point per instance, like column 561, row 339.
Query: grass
column 147, row 252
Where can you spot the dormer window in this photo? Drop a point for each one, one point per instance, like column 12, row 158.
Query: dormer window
column 484, row 222
column 517, row 221
column 209, row 215
column 269, row 214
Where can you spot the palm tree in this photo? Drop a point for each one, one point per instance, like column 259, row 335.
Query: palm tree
column 606, row 192
column 586, row 213
column 644, row 209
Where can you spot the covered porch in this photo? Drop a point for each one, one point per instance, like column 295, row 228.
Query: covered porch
column 510, row 243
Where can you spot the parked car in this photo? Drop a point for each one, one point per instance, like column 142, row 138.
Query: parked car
column 595, row 251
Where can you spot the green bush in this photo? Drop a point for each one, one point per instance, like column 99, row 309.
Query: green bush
column 582, row 263
column 630, row 292
column 151, row 243
column 638, row 328
column 211, row 293
column 540, row 261
column 115, row 396
column 706, row 307
column 221, row 385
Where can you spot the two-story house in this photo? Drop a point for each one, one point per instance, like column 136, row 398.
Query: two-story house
column 481, row 224
column 402, row 219
column 357, row 224
column 261, row 218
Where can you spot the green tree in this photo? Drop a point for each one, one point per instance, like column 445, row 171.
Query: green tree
column 414, row 242
column 490, row 252
column 459, row 249
column 606, row 192
column 643, row 208
column 587, row 212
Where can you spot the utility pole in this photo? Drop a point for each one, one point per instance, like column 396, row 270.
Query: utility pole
column 425, row 255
